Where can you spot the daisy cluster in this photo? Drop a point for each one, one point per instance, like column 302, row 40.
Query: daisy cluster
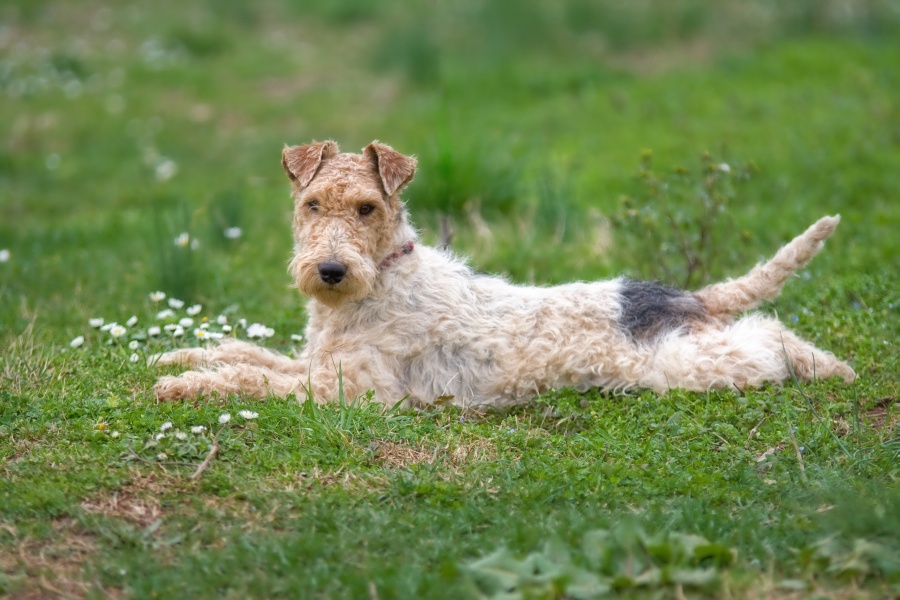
column 172, row 323
column 170, row 442
column 184, row 239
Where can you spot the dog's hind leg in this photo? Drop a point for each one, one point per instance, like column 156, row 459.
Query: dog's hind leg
column 809, row 363
column 764, row 282
column 253, row 381
column 748, row 352
column 230, row 352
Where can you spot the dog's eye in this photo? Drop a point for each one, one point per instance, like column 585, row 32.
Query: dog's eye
column 366, row 209
column 313, row 206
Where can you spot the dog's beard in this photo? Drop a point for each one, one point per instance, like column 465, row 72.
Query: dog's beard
column 356, row 284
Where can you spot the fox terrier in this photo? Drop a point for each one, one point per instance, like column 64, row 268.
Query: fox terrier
column 412, row 322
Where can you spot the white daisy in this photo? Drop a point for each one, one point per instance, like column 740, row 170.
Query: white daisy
column 171, row 327
column 175, row 303
column 132, row 321
column 186, row 322
column 4, row 255
column 134, row 357
column 221, row 319
column 154, row 331
column 109, row 326
column 201, row 334
column 233, row 233
column 215, row 335
column 296, row 337
column 248, row 414
column 724, row 168
column 165, row 314
column 198, row 429
column 183, row 241
column 180, row 435
column 95, row 323
column 226, row 328
column 117, row 331
column 166, row 169
column 258, row 330
column 178, row 331
column 166, row 425
column 134, row 344
column 194, row 310
column 162, row 456
column 114, row 434
column 77, row 341
column 157, row 296
column 160, row 436
column 224, row 418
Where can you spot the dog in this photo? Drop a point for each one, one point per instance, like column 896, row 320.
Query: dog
column 409, row 322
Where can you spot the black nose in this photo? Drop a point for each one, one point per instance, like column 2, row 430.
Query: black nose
column 332, row 273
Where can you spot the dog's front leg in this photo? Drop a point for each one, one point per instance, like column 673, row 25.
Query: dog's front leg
column 253, row 381
column 230, row 352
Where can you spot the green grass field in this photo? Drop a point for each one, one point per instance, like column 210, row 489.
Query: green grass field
column 562, row 141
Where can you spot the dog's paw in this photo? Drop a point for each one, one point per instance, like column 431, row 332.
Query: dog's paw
column 170, row 388
column 182, row 357
column 845, row 372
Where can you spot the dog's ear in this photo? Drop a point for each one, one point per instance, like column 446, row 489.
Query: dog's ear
column 395, row 169
column 301, row 162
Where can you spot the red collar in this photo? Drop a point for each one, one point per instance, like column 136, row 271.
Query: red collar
column 404, row 249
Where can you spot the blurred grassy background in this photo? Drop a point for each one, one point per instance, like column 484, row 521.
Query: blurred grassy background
column 126, row 124
column 563, row 139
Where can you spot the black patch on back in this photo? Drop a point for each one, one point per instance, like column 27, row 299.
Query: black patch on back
column 650, row 309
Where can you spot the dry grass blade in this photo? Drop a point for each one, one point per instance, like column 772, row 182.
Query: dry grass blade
column 203, row 466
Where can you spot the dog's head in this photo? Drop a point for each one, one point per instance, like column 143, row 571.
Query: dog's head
column 348, row 217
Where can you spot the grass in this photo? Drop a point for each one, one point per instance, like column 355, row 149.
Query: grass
column 562, row 141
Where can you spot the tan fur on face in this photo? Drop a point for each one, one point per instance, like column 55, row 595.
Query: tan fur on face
column 408, row 321
column 328, row 226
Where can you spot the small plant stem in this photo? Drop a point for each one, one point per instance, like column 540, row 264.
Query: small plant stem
column 212, row 452
column 856, row 411
column 684, row 246
column 753, row 432
column 160, row 463
column 721, row 439
column 446, row 232
column 44, row 584
column 799, row 455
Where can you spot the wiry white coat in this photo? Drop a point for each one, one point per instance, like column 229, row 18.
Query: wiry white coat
column 429, row 329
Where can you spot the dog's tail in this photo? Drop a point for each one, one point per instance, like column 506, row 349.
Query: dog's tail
column 764, row 282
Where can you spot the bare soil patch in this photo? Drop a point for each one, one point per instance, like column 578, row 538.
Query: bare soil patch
column 51, row 567
column 136, row 502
